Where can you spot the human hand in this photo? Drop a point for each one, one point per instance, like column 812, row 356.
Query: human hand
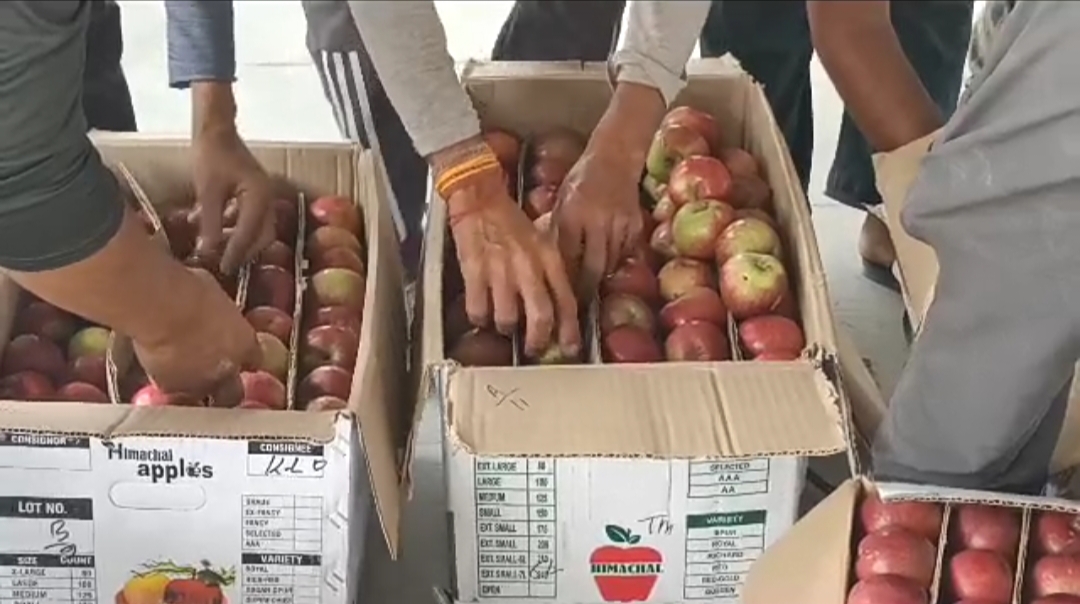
column 508, row 263
column 598, row 213
column 204, row 358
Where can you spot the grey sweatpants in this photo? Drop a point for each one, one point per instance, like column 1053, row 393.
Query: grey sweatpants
column 981, row 401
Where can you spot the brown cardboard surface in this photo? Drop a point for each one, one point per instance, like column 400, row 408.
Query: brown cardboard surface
column 161, row 167
column 918, row 271
column 709, row 409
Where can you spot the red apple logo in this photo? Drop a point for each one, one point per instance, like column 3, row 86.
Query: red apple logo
column 624, row 573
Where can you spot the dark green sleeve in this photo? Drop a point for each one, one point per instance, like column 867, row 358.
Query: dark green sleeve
column 58, row 202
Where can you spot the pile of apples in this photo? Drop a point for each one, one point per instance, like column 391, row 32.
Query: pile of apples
column 54, row 356
column 721, row 255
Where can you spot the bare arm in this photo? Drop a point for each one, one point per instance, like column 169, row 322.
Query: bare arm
column 859, row 48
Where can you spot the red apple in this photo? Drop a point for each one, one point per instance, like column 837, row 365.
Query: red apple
column 628, row 344
column 89, row 342
column 559, row 144
column 747, row 235
column 325, row 381
column 750, row 192
column 481, row 347
column 671, row 144
column 326, row 403
column 272, row 286
column 549, row 173
column 26, row 386
column 338, row 257
column 698, row 121
column 681, row 275
column 180, row 230
column 278, row 254
column 661, row 241
column 264, row 387
column 699, row 177
column 752, row 284
column 45, row 320
column 697, row 225
column 620, row 309
column 271, row 320
column 286, row 219
column 339, row 287
column 275, row 356
column 329, row 345
column 759, row 214
column 738, row 161
column 89, row 369
column 540, row 200
column 327, row 237
column 346, row 318
column 770, row 333
column 81, row 392
column 250, row 404
column 664, row 210
column 697, row 341
column 700, row 304
column 34, row 353
column 634, row 277
column 334, row 210
column 506, row 148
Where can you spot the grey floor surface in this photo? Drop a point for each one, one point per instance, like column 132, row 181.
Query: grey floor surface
column 280, row 99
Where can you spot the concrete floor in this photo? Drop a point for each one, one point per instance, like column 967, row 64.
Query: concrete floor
column 280, row 98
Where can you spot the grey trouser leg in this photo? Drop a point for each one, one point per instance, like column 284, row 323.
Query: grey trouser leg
column 981, row 401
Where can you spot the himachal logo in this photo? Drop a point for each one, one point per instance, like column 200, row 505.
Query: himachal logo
column 623, row 572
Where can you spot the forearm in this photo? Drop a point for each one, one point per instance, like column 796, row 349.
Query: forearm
column 859, row 49
column 660, row 36
column 201, row 43
column 407, row 45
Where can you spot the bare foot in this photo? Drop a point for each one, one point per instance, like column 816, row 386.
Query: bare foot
column 875, row 245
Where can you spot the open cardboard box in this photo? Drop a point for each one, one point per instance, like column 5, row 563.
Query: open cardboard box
column 660, row 482
column 276, row 501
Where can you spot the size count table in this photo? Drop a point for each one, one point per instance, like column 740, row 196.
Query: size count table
column 728, row 478
column 720, row 548
column 515, row 527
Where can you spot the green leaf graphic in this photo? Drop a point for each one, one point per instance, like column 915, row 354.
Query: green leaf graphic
column 617, row 533
column 635, row 539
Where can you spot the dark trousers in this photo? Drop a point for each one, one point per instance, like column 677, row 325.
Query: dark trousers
column 772, row 41
column 106, row 98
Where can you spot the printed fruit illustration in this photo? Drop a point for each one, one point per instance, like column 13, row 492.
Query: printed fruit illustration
column 169, row 583
column 625, row 571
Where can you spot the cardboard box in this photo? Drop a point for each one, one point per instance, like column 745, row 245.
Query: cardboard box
column 813, row 562
column 276, row 502
column 657, row 483
column 917, row 271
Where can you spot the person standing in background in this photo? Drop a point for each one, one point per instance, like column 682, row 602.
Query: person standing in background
column 106, row 99
column 772, row 41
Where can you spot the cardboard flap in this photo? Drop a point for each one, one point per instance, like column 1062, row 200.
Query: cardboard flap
column 687, row 410
column 902, row 491
column 810, row 563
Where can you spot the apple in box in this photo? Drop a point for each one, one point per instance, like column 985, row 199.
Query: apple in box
column 26, row 386
column 629, row 344
column 680, row 275
column 670, row 145
column 699, row 177
column 697, row 304
column 335, row 211
column 697, row 341
column 633, row 277
column 697, row 225
column 34, row 353
column 752, row 284
column 45, row 320
column 620, row 309
column 747, row 235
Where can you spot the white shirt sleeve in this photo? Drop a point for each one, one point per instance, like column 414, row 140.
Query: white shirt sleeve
column 407, row 45
column 660, row 36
